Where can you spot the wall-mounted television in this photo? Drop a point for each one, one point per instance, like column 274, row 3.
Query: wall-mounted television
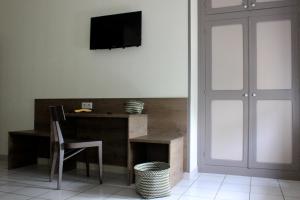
column 116, row 31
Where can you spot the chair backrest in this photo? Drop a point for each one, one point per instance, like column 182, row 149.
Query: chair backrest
column 57, row 115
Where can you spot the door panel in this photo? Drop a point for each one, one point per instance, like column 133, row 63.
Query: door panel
column 225, row 3
column 224, row 62
column 222, row 6
column 226, row 88
column 274, row 54
column 273, row 92
column 227, row 130
column 227, row 56
column 274, row 131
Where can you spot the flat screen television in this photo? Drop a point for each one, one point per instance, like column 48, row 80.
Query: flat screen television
column 116, row 31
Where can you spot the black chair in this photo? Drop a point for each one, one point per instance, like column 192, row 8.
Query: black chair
column 62, row 150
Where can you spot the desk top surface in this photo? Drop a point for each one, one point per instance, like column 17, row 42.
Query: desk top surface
column 102, row 115
column 152, row 138
column 33, row 133
column 157, row 138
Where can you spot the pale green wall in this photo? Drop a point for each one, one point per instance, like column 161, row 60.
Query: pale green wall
column 44, row 53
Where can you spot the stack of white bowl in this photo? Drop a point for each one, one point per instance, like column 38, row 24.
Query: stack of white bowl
column 134, row 107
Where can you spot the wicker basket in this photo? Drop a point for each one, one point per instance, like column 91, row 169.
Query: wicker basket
column 152, row 179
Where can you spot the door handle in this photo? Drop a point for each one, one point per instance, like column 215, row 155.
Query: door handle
column 253, row 3
column 254, row 94
column 246, row 95
column 245, row 4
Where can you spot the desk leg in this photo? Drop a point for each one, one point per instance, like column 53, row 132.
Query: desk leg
column 129, row 177
column 22, row 151
column 130, row 164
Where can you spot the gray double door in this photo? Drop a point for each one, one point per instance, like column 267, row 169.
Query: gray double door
column 252, row 90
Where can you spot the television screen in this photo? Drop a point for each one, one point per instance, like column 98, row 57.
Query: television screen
column 116, row 31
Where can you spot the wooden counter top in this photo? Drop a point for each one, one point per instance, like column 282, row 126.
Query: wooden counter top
column 102, row 115
column 30, row 133
column 156, row 138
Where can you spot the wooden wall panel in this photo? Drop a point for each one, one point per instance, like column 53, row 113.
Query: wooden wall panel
column 165, row 115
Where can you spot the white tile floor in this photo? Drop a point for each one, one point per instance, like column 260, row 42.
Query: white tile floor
column 32, row 183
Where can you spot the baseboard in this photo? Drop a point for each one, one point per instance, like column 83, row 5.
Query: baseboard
column 192, row 174
column 3, row 157
column 194, row 171
column 81, row 165
column 266, row 173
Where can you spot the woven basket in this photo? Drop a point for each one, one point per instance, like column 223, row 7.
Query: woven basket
column 152, row 179
column 134, row 107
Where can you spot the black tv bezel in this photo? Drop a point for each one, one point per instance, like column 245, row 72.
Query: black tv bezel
column 139, row 43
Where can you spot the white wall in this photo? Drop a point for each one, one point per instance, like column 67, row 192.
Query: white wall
column 44, row 53
column 193, row 86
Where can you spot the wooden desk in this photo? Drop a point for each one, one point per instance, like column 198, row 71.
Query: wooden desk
column 158, row 147
column 137, row 125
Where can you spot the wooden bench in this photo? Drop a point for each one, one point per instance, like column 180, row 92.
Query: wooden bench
column 158, row 147
column 26, row 146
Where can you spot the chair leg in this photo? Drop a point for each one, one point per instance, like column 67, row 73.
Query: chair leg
column 87, row 164
column 100, row 163
column 53, row 165
column 60, row 168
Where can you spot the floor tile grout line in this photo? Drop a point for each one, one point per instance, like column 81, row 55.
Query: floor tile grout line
column 250, row 188
column 77, row 193
column 281, row 189
column 24, row 185
column 30, row 197
column 108, row 195
column 20, row 194
column 21, row 184
column 31, row 186
column 222, row 182
column 37, row 198
column 95, row 187
column 189, row 186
